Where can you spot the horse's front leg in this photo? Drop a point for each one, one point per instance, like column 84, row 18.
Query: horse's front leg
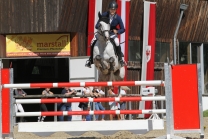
column 111, row 61
column 99, row 58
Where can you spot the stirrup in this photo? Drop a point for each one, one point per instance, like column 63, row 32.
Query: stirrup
column 88, row 64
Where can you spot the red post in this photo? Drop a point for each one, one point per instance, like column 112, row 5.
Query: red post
column 5, row 78
column 91, row 24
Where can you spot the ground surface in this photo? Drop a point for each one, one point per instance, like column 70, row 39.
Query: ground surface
column 118, row 135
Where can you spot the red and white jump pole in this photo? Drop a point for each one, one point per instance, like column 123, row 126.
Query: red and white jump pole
column 67, row 100
column 82, row 84
column 19, row 114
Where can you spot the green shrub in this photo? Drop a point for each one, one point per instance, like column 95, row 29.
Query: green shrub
column 205, row 113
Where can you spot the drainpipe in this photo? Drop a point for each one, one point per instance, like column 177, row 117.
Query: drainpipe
column 183, row 7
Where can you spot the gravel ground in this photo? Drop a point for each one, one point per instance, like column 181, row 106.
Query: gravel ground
column 118, row 135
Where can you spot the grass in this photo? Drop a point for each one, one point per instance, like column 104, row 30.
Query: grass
column 205, row 113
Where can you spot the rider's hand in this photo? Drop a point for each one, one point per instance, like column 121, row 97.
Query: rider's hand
column 115, row 31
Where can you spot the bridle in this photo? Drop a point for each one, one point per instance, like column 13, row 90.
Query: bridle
column 102, row 32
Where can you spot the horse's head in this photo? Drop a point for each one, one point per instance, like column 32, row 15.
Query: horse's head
column 104, row 25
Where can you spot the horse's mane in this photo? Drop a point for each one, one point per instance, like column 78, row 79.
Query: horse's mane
column 105, row 19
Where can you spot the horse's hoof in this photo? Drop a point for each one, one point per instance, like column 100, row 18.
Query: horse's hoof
column 111, row 59
column 123, row 63
column 88, row 64
column 98, row 57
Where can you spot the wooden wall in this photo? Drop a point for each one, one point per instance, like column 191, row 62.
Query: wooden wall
column 55, row 16
column 2, row 43
column 193, row 27
column 43, row 16
column 70, row 16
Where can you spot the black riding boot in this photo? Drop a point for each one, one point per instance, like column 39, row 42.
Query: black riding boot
column 120, row 54
column 90, row 61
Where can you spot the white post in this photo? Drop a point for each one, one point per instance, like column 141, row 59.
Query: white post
column 12, row 110
column 152, row 91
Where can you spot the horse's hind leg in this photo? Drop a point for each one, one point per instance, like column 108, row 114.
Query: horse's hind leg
column 99, row 58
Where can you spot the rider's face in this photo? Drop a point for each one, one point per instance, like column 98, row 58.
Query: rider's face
column 112, row 11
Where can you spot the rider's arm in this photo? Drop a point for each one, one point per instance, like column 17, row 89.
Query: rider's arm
column 122, row 29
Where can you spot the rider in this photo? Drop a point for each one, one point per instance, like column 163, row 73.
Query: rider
column 115, row 20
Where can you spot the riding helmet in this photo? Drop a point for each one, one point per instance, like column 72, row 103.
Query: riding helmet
column 113, row 5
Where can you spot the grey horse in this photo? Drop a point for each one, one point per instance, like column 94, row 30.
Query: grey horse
column 105, row 59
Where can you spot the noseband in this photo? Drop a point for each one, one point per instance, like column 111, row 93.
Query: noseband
column 102, row 32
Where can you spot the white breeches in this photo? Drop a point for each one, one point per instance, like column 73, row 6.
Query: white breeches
column 115, row 37
column 19, row 107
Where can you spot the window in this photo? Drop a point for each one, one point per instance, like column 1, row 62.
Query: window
column 184, row 52
column 135, row 51
column 162, row 51
column 205, row 67
column 188, row 52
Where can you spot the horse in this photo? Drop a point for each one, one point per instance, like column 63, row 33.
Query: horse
column 104, row 56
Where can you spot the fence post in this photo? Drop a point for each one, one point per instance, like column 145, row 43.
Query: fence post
column 130, row 115
column 55, row 109
column 162, row 115
column 168, row 95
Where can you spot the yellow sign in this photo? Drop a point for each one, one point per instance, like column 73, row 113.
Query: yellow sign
column 38, row 45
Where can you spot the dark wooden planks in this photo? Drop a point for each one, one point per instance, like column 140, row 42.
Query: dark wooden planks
column 136, row 20
column 61, row 16
column 193, row 27
column 43, row 16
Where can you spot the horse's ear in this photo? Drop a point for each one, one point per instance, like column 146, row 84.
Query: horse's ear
column 99, row 15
